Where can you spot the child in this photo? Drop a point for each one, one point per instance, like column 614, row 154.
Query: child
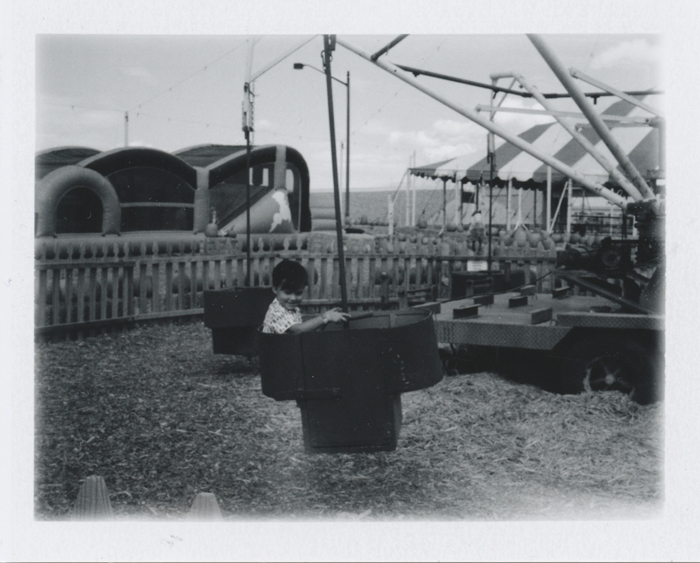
column 289, row 279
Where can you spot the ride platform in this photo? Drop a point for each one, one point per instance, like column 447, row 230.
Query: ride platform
column 525, row 319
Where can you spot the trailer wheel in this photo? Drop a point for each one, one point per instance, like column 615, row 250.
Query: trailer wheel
column 611, row 363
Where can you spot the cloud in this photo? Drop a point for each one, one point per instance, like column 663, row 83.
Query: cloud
column 264, row 125
column 448, row 138
column 139, row 72
column 453, row 129
column 516, row 123
column 444, row 139
column 635, row 52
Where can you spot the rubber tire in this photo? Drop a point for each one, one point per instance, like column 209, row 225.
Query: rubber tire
column 582, row 368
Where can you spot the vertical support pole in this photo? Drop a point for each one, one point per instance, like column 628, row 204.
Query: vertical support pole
column 247, row 208
column 548, row 218
column 492, row 173
column 390, row 214
column 407, row 191
column 489, row 234
column 510, row 185
column 347, row 152
column 444, row 203
column 413, row 196
column 328, row 46
column 520, row 206
column 534, row 209
column 458, row 202
column 476, row 197
column 569, row 204
column 340, row 175
column 660, row 125
column 247, row 129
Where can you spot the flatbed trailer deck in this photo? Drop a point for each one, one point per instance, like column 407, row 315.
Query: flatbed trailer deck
column 499, row 324
column 594, row 344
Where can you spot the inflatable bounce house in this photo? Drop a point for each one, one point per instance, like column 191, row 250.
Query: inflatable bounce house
column 146, row 192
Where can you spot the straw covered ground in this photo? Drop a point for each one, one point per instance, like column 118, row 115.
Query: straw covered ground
column 162, row 418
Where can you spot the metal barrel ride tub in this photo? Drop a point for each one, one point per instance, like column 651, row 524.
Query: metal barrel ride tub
column 348, row 380
column 234, row 316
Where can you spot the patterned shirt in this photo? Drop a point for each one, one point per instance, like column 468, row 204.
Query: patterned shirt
column 278, row 319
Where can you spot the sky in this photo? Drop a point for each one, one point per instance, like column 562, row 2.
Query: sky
column 183, row 90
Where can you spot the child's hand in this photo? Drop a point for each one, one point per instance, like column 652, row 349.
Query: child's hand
column 335, row 316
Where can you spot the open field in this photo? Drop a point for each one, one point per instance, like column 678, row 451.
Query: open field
column 162, row 418
column 373, row 203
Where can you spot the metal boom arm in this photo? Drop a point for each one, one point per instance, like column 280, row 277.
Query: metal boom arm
column 594, row 119
column 494, row 128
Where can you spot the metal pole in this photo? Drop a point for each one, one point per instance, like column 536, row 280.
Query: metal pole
column 508, row 196
column 548, row 218
column 408, row 195
column 556, row 213
column 388, row 46
column 593, row 117
column 488, row 262
column 390, row 215
column 327, row 49
column 534, row 210
column 497, row 129
column 492, row 174
column 520, row 206
column 458, row 203
column 413, row 195
column 347, row 153
column 660, row 125
column 444, row 204
column 247, row 208
column 568, row 207
column 340, row 168
column 594, row 95
column 634, row 101
column 620, row 120
column 247, row 129
column 478, row 190
column 585, row 143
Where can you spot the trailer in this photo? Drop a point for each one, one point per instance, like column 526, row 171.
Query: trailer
column 585, row 342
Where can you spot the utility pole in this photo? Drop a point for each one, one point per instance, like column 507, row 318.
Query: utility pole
column 328, row 48
column 347, row 152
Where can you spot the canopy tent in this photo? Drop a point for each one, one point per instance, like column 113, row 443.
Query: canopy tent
column 525, row 171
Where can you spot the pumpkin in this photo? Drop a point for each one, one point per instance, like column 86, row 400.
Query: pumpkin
column 520, row 237
column 211, row 230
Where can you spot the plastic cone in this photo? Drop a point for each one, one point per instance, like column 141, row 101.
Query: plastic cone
column 93, row 500
column 205, row 507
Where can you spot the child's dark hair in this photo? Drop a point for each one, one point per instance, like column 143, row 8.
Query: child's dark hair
column 289, row 276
